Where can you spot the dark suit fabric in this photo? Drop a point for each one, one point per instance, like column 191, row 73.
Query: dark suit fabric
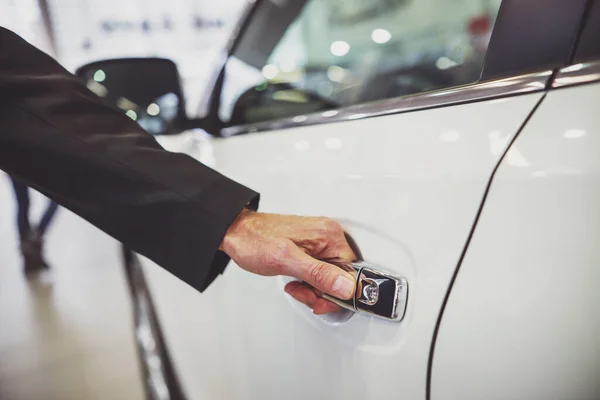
column 57, row 136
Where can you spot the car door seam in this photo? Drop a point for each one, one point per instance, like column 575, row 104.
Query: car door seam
column 466, row 246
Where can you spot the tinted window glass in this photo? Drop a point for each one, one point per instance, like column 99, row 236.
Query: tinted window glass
column 336, row 53
column 589, row 42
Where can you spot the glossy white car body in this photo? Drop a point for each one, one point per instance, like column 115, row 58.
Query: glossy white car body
column 484, row 197
column 408, row 187
column 520, row 321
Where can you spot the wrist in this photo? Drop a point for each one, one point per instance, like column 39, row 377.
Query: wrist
column 242, row 215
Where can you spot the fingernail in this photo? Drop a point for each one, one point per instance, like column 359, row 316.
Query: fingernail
column 343, row 287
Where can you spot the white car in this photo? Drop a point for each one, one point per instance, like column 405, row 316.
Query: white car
column 465, row 168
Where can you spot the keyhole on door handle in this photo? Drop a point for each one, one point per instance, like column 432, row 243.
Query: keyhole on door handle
column 379, row 294
column 370, row 291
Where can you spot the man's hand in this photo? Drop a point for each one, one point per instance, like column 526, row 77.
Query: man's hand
column 270, row 244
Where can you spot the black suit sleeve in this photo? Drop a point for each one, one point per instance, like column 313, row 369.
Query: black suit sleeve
column 56, row 136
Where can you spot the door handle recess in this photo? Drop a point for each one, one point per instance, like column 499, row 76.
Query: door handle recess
column 379, row 294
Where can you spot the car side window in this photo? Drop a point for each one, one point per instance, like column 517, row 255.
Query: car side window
column 337, row 53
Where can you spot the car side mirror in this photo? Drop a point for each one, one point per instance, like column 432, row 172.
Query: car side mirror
column 271, row 101
column 148, row 90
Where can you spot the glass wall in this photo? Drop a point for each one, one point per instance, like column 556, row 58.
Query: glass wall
column 192, row 33
column 25, row 18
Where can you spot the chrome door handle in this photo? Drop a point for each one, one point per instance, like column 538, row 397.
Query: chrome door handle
column 379, row 294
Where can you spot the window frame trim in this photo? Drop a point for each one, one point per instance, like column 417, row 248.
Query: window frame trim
column 577, row 74
column 478, row 91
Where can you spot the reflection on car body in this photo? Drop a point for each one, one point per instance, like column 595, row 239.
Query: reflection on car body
column 463, row 186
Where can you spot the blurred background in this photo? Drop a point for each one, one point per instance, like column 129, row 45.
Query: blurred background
column 192, row 33
column 70, row 335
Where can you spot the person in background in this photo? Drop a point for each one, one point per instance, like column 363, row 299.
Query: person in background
column 32, row 238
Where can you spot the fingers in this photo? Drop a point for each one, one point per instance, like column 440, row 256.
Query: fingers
column 338, row 246
column 323, row 306
column 321, row 275
column 306, row 295
column 345, row 253
column 302, row 293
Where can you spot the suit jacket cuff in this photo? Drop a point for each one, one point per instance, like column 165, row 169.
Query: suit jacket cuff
column 229, row 198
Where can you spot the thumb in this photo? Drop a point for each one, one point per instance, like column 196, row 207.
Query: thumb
column 321, row 275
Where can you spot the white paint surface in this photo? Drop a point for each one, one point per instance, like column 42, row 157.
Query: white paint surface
column 406, row 195
column 522, row 321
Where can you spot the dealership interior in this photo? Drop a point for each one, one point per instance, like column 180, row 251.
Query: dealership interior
column 69, row 334
column 100, row 294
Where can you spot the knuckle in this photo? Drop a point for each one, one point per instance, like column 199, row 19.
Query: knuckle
column 331, row 225
column 321, row 221
column 318, row 274
column 328, row 228
column 348, row 254
column 293, row 290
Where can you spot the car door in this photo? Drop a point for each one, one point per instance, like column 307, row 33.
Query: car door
column 406, row 187
column 406, row 178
